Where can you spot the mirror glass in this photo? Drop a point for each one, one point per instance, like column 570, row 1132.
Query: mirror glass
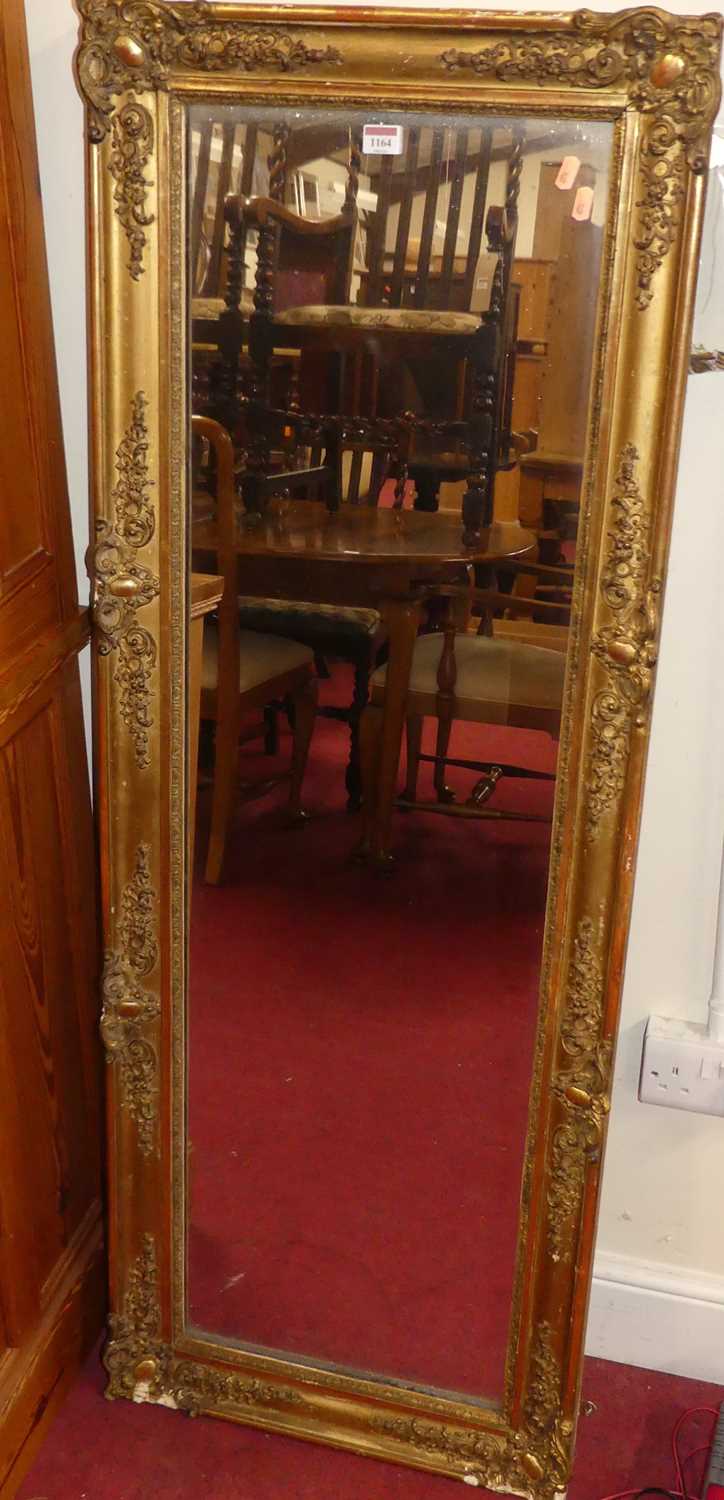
column 392, row 321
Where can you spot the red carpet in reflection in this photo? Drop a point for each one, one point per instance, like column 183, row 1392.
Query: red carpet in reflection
column 360, row 1059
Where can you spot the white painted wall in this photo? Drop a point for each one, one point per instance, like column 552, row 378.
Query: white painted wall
column 52, row 30
column 661, row 1231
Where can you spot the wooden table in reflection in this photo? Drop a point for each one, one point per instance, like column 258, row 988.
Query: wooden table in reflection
column 363, row 557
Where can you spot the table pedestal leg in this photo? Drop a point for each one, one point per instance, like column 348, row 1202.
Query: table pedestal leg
column 370, row 739
column 402, row 618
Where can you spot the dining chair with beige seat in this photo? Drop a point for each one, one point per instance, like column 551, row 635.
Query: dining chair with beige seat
column 480, row 678
column 245, row 670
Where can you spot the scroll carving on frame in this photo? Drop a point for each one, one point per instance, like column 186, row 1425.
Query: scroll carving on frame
column 128, row 1007
column 133, row 44
column 627, row 648
column 539, row 1451
column 670, row 65
column 141, row 1366
column 582, row 1087
column 122, row 586
column 133, row 139
column 135, row 1354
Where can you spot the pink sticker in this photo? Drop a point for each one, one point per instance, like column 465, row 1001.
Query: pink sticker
column 568, row 172
column 582, row 204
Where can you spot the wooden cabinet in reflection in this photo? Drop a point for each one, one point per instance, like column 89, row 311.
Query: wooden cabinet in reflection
column 550, row 477
column 557, row 314
column 531, row 278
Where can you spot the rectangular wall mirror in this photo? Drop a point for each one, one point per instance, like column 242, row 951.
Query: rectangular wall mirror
column 386, row 405
column 391, row 1026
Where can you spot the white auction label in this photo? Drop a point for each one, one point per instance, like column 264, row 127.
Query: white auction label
column 382, row 140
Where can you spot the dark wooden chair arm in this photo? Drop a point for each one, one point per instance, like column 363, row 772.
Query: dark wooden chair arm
column 257, row 212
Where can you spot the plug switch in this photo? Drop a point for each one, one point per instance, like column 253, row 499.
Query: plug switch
column 682, row 1067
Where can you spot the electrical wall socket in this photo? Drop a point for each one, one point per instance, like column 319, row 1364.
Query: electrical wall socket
column 681, row 1067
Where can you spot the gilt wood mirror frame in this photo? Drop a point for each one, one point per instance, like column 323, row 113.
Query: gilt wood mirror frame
column 141, row 66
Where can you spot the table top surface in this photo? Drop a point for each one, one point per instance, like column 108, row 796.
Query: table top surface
column 206, row 592
column 308, row 531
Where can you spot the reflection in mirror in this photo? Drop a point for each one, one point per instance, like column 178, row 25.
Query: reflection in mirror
column 392, row 336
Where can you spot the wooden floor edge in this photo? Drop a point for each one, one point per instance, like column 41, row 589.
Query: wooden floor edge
column 35, row 1380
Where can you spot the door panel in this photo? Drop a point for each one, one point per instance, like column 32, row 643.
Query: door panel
column 51, row 1279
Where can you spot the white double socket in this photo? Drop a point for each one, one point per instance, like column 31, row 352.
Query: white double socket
column 682, row 1067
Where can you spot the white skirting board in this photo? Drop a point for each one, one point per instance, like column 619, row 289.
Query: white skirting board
column 657, row 1317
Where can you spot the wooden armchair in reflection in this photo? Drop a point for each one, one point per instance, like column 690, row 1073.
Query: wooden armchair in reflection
column 357, row 362
column 243, row 670
column 301, row 455
column 300, row 263
column 450, row 277
column 497, row 676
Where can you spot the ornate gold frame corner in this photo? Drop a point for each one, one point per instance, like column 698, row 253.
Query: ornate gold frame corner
column 140, row 63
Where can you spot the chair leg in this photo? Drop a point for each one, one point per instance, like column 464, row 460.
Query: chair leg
column 443, row 792
column 427, row 492
column 271, row 731
column 414, row 746
column 207, row 735
column 226, row 768
column 378, row 477
column 353, row 777
column 370, row 742
column 252, row 492
column 305, row 709
column 334, row 486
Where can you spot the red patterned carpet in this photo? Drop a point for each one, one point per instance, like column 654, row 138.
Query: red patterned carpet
column 101, row 1451
column 360, row 1060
